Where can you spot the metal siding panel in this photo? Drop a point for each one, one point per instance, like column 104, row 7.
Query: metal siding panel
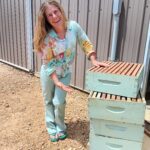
column 73, row 10
column 65, row 4
column 104, row 29
column 134, row 21
column 130, row 53
column 133, row 29
column 18, row 33
column 3, row 27
column 37, row 5
column 92, row 24
column 80, row 60
column 7, row 31
column 14, row 32
column 128, row 31
column 144, row 31
column 108, row 29
column 100, row 49
column 34, row 12
column 10, row 31
column 1, row 33
column 122, row 29
column 138, row 30
column 24, row 34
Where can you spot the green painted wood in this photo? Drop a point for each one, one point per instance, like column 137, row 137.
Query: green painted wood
column 117, row 129
column 122, row 85
column 122, row 111
column 107, row 143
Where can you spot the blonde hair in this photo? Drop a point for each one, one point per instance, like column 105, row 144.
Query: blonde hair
column 42, row 25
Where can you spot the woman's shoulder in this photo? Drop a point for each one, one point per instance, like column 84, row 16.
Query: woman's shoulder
column 73, row 25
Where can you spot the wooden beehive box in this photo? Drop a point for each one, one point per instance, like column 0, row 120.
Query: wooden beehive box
column 120, row 78
column 116, row 108
column 117, row 116
column 108, row 143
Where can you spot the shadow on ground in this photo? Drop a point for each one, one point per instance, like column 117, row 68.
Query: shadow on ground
column 79, row 131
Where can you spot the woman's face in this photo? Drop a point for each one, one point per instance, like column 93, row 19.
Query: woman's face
column 54, row 16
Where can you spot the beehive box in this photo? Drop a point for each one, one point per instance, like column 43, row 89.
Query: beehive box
column 120, row 78
column 117, row 116
column 119, row 130
column 116, row 108
column 108, row 143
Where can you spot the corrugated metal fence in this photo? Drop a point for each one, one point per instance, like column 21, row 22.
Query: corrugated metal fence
column 95, row 17
column 13, row 32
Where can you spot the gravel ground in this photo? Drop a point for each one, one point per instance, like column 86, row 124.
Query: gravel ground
column 22, row 125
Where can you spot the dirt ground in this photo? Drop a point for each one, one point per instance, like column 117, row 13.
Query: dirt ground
column 22, row 125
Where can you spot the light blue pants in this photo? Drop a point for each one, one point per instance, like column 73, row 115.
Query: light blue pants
column 55, row 102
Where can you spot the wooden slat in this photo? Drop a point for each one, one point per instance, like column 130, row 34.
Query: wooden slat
column 108, row 96
column 113, row 97
column 139, row 100
column 136, row 70
column 133, row 99
column 116, row 70
column 91, row 93
column 128, row 99
column 131, row 70
column 108, row 68
column 118, row 97
column 123, row 98
column 103, row 96
column 98, row 95
column 104, row 68
column 91, row 69
column 94, row 94
column 122, row 69
column 127, row 69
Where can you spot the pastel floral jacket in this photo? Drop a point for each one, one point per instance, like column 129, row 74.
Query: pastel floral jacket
column 58, row 54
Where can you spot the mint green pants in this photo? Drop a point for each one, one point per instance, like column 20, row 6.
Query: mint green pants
column 54, row 100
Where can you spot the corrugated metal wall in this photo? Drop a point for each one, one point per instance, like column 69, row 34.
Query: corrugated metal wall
column 95, row 17
column 12, row 32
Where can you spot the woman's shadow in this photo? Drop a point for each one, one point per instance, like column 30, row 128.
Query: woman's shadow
column 79, row 131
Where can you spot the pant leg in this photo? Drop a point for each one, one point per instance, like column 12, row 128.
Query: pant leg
column 59, row 102
column 48, row 89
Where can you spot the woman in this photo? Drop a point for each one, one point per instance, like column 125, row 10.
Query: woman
column 55, row 40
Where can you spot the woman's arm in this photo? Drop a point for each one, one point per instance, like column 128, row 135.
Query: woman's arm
column 60, row 84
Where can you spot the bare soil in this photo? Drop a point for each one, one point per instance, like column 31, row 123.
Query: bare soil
column 22, row 124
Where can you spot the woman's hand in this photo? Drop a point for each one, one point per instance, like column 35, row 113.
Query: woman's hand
column 99, row 64
column 64, row 87
column 60, row 84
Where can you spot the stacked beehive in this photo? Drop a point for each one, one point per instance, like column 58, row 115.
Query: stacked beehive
column 116, row 108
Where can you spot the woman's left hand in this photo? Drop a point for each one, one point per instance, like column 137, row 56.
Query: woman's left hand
column 99, row 64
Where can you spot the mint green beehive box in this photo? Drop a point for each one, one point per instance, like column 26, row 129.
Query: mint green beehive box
column 108, row 143
column 120, row 78
column 116, row 116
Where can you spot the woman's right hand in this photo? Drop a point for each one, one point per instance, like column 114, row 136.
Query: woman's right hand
column 60, row 84
column 64, row 87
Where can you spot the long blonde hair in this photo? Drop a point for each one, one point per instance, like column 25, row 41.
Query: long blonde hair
column 42, row 25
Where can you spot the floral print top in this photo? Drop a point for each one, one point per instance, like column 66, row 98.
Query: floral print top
column 58, row 54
